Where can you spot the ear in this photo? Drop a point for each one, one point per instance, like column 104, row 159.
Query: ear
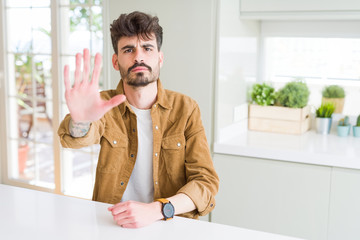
column 115, row 62
column 161, row 58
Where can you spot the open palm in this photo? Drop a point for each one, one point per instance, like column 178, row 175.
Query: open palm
column 83, row 98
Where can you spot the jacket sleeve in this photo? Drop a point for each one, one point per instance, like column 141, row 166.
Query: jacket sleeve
column 93, row 136
column 202, row 179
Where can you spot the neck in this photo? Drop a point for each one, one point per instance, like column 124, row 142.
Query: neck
column 141, row 97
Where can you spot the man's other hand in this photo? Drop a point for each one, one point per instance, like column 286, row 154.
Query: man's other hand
column 131, row 214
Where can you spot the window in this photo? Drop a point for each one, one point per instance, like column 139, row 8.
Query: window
column 320, row 53
column 47, row 37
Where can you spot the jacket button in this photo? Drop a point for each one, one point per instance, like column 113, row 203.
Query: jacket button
column 154, row 105
column 132, row 155
column 211, row 205
column 156, row 154
column 178, row 144
column 115, row 142
column 156, row 183
column 156, row 127
column 122, row 183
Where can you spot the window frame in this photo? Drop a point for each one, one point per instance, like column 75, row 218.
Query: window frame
column 315, row 29
column 57, row 93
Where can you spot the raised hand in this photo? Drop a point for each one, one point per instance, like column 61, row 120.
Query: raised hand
column 83, row 99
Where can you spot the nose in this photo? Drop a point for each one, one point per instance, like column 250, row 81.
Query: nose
column 139, row 56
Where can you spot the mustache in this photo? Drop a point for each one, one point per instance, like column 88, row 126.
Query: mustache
column 139, row 65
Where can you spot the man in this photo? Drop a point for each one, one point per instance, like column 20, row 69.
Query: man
column 154, row 160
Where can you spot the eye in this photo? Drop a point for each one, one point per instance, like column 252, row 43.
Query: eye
column 148, row 49
column 129, row 50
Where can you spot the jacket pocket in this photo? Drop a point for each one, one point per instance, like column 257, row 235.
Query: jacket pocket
column 173, row 157
column 114, row 148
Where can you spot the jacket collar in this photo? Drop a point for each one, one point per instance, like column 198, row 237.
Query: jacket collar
column 161, row 100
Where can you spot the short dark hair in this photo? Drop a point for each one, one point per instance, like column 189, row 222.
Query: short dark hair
column 136, row 24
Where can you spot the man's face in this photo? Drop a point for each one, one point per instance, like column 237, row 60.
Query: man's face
column 138, row 60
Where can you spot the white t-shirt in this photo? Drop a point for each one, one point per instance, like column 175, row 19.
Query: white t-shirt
column 141, row 184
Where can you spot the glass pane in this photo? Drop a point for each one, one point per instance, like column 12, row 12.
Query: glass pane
column 96, row 30
column 42, row 75
column 75, row 34
column 64, row 111
column 40, row 3
column 23, row 72
column 41, row 24
column 25, row 119
column 98, row 2
column 27, row 3
column 22, row 164
column 45, row 166
column 19, row 32
column 43, row 124
column 78, row 173
column 314, row 57
column 32, row 163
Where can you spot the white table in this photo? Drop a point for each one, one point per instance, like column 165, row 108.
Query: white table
column 30, row 214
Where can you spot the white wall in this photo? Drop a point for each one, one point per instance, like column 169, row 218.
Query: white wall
column 2, row 92
column 188, row 46
column 237, row 61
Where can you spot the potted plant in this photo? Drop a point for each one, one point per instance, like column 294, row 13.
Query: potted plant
column 343, row 128
column 294, row 95
column 356, row 128
column 323, row 118
column 334, row 94
column 285, row 111
column 263, row 94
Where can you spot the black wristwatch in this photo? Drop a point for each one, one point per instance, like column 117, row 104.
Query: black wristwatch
column 167, row 209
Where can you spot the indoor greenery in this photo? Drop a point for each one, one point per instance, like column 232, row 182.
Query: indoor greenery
column 344, row 121
column 333, row 91
column 294, row 94
column 263, row 94
column 358, row 121
column 325, row 110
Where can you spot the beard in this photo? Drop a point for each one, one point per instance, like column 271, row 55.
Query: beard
column 139, row 79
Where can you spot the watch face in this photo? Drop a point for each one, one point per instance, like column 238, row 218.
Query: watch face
column 168, row 210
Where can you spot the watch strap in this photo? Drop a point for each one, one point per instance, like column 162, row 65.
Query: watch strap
column 164, row 201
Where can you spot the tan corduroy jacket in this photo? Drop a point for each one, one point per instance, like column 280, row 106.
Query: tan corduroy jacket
column 181, row 157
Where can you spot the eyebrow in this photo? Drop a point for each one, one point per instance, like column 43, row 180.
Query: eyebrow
column 133, row 46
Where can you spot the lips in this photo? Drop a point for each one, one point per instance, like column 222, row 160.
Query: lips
column 139, row 69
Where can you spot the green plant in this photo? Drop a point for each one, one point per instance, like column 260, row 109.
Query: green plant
column 344, row 121
column 263, row 94
column 294, row 94
column 333, row 91
column 358, row 121
column 325, row 110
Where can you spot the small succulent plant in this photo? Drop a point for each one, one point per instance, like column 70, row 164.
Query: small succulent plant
column 325, row 110
column 344, row 121
column 263, row 94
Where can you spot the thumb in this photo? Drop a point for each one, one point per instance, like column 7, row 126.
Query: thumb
column 113, row 102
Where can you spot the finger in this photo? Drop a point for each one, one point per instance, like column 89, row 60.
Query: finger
column 86, row 71
column 77, row 69
column 123, row 217
column 119, row 208
column 97, row 69
column 130, row 225
column 124, row 220
column 113, row 102
column 66, row 78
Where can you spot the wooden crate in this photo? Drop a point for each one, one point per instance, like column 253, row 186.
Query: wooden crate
column 279, row 119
